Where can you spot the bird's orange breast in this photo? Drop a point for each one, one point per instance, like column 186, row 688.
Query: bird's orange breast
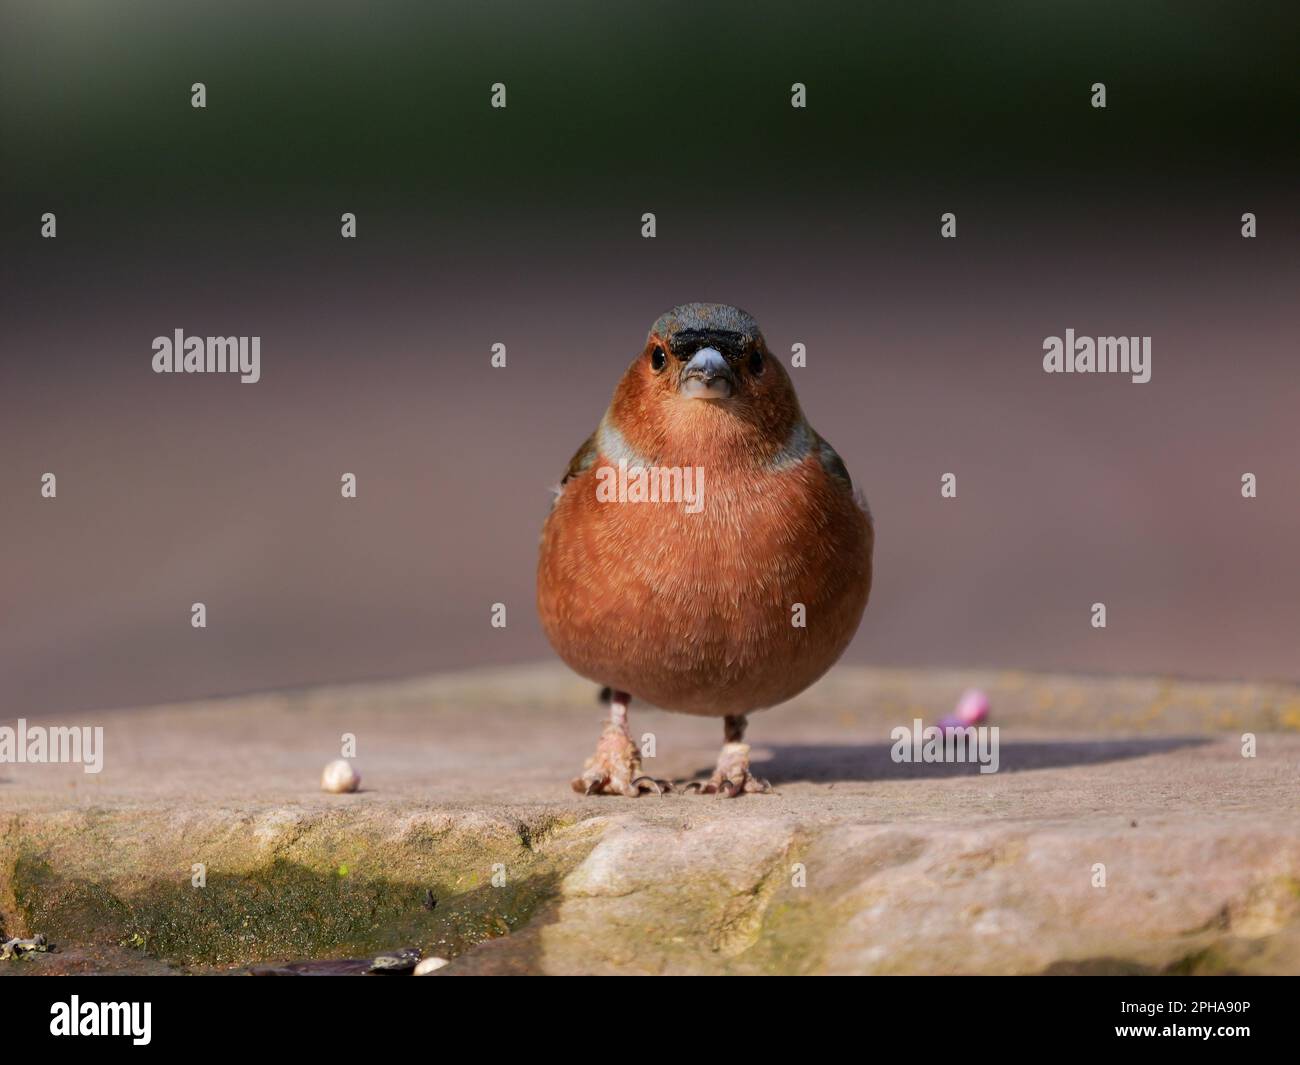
column 732, row 609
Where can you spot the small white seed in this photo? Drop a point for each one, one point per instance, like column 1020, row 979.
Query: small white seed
column 339, row 776
column 429, row 965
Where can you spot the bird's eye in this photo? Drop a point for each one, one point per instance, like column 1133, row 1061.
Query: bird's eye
column 658, row 360
column 756, row 362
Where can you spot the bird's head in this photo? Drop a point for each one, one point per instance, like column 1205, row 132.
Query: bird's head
column 706, row 368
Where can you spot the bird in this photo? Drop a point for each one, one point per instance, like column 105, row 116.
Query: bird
column 706, row 551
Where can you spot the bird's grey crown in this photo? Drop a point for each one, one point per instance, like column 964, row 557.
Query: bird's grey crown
column 707, row 318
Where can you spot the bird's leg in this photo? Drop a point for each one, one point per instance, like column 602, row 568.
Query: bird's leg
column 732, row 776
column 615, row 768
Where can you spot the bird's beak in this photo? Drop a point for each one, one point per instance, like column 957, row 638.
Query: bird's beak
column 707, row 376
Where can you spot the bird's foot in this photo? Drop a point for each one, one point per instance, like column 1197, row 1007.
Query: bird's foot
column 615, row 768
column 732, row 776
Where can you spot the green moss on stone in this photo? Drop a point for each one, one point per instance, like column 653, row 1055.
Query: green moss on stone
column 281, row 911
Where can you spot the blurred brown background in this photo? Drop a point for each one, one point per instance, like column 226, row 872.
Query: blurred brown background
column 522, row 226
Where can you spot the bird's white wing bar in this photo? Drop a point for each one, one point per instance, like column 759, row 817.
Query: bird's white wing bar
column 614, row 446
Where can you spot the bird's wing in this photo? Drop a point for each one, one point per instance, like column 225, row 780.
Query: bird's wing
column 834, row 465
column 831, row 461
column 583, row 459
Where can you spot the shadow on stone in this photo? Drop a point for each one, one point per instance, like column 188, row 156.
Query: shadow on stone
column 1100, row 967
column 823, row 763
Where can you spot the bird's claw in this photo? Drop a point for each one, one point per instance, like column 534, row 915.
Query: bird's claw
column 615, row 769
column 596, row 783
column 727, row 788
column 732, row 777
